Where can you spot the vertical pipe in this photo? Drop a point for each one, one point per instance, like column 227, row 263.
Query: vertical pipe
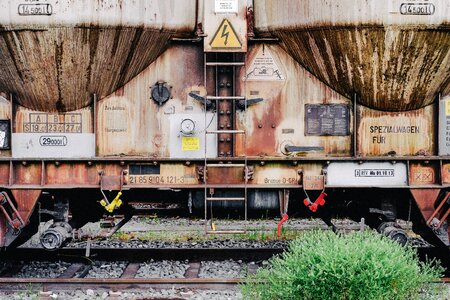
column 95, row 118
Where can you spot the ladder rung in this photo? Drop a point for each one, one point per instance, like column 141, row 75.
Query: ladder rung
column 225, row 198
column 225, row 231
column 225, row 131
column 226, row 165
column 225, row 98
column 225, row 63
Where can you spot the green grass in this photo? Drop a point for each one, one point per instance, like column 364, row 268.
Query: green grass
column 359, row 265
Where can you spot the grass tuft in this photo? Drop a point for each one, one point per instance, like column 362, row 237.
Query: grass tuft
column 359, row 265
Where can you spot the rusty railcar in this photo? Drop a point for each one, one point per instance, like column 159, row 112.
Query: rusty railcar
column 336, row 107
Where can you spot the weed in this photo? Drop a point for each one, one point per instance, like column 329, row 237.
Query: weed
column 360, row 265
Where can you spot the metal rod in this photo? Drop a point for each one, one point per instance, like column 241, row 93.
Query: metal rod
column 225, row 98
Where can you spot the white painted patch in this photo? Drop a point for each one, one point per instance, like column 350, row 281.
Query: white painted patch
column 264, row 67
column 193, row 145
column 53, row 145
column 368, row 174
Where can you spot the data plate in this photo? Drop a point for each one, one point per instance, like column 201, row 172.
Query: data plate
column 161, row 174
column 327, row 119
column 368, row 174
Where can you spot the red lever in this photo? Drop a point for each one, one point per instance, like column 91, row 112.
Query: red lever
column 320, row 200
column 280, row 224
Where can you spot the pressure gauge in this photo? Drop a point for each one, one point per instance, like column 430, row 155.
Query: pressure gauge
column 187, row 127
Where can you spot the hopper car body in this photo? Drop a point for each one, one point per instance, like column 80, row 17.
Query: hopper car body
column 334, row 107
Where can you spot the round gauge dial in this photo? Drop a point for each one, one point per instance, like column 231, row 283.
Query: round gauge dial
column 187, row 126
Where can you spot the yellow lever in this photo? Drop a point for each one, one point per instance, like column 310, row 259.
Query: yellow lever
column 116, row 203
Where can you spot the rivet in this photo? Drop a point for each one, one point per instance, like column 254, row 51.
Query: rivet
column 56, row 163
column 222, row 126
column 221, row 153
column 155, row 163
column 89, row 163
column 122, row 163
column 221, row 140
column 187, row 163
column 228, row 112
column 259, row 125
column 24, row 163
column 295, row 162
column 221, row 112
column 229, row 153
column 273, row 125
column 228, row 126
column 228, row 84
column 262, row 163
column 228, row 140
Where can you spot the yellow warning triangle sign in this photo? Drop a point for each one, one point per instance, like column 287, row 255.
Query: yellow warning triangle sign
column 225, row 36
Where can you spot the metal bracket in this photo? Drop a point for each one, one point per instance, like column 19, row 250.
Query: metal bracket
column 203, row 100
column 437, row 222
column 320, row 201
column 111, row 183
column 14, row 220
column 242, row 104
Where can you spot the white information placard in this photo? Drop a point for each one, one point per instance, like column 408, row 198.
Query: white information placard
column 226, row 6
column 367, row 174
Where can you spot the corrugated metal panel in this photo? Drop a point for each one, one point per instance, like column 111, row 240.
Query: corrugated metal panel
column 394, row 61
column 55, row 63
column 396, row 133
column 280, row 118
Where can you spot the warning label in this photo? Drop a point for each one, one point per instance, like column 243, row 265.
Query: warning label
column 225, row 37
column 190, row 143
column 264, row 67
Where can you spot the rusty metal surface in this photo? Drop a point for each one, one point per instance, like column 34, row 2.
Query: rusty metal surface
column 176, row 15
column 225, row 119
column 58, row 69
column 393, row 61
column 445, row 171
column 130, row 123
column 54, row 60
column 25, row 201
column 425, row 199
column 280, row 118
column 421, row 173
column 382, row 133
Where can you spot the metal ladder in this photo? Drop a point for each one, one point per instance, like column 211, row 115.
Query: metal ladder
column 225, row 135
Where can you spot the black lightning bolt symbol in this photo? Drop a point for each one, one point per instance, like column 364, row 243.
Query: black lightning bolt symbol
column 225, row 34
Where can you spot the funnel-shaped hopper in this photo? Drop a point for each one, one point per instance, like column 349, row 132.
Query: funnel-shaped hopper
column 394, row 54
column 54, row 56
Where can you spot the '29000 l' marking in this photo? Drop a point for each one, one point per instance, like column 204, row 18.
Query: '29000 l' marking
column 53, row 140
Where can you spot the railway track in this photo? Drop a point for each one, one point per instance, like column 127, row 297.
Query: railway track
column 74, row 276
